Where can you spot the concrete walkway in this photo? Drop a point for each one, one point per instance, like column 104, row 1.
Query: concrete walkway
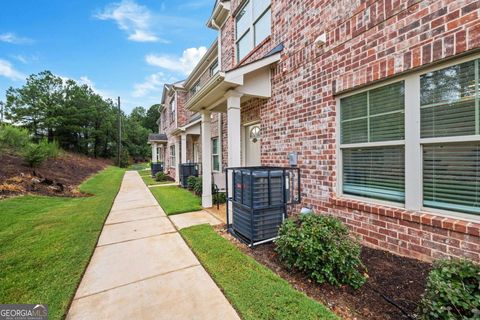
column 142, row 268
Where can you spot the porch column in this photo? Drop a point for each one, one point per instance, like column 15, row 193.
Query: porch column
column 234, row 128
column 184, row 147
column 206, row 160
column 177, row 160
column 154, row 152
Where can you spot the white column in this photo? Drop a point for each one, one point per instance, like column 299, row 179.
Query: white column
column 177, row 160
column 184, row 147
column 206, row 160
column 154, row 152
column 234, row 128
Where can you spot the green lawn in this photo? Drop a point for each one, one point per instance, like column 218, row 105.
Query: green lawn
column 149, row 181
column 139, row 166
column 46, row 242
column 254, row 290
column 176, row 200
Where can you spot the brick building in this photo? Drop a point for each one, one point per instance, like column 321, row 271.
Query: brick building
column 379, row 99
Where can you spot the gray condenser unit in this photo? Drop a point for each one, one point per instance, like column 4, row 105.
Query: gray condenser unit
column 259, row 197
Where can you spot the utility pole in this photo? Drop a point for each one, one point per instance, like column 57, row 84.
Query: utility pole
column 119, row 133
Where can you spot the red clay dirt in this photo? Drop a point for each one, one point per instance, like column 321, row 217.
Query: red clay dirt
column 400, row 279
column 59, row 176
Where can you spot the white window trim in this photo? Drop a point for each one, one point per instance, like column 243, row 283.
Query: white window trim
column 173, row 156
column 251, row 28
column 413, row 145
column 216, row 155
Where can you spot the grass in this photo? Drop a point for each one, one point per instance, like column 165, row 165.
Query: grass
column 149, row 181
column 46, row 242
column 139, row 166
column 254, row 290
column 176, row 200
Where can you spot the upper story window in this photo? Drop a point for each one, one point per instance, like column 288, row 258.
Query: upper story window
column 195, row 88
column 253, row 25
column 214, row 68
column 172, row 109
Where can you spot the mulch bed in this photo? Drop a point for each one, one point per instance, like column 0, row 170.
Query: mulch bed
column 400, row 279
column 60, row 176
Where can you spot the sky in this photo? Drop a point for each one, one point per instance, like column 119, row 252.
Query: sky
column 126, row 48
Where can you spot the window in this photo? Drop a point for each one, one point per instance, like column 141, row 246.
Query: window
column 172, row 110
column 214, row 68
column 215, row 154
column 172, row 156
column 374, row 116
column 195, row 88
column 430, row 161
column 449, row 102
column 253, row 25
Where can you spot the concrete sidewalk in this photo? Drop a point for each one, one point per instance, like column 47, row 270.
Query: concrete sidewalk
column 142, row 268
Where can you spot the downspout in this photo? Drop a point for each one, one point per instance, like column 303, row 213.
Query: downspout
column 219, row 44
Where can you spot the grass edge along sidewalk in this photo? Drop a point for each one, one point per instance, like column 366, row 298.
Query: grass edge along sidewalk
column 255, row 291
column 175, row 200
column 46, row 242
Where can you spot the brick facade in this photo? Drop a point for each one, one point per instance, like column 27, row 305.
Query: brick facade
column 367, row 41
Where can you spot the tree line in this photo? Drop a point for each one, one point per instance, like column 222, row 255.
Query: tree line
column 77, row 118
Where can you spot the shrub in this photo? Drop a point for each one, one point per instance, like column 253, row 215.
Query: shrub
column 220, row 197
column 453, row 291
column 198, row 187
column 13, row 138
column 321, row 247
column 35, row 154
column 51, row 149
column 191, row 182
column 160, row 176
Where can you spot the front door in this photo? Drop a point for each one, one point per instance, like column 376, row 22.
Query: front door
column 252, row 145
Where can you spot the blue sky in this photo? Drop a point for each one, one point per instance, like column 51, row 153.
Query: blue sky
column 127, row 48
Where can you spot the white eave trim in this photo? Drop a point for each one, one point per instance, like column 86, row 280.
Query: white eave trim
column 219, row 14
column 236, row 76
column 213, row 82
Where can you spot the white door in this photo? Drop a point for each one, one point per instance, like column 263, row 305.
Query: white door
column 252, row 145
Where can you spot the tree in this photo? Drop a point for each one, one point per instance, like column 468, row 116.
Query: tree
column 37, row 104
column 151, row 118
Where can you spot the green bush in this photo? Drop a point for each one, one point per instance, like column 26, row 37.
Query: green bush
column 51, row 149
column 191, row 182
column 198, row 187
column 34, row 154
column 13, row 138
column 321, row 247
column 220, row 197
column 453, row 291
column 160, row 176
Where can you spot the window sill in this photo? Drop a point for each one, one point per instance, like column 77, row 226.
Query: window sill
column 421, row 217
column 253, row 51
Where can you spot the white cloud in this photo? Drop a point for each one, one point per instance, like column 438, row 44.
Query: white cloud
column 25, row 59
column 8, row 71
column 131, row 17
column 183, row 64
column 152, row 83
column 14, row 39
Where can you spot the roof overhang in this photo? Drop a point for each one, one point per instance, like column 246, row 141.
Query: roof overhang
column 190, row 128
column 219, row 15
column 251, row 80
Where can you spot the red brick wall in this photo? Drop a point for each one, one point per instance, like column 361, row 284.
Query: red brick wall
column 367, row 41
